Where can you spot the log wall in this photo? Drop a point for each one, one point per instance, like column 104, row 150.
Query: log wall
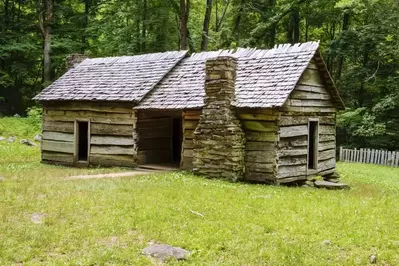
column 261, row 133
column 309, row 99
column 190, row 122
column 112, row 133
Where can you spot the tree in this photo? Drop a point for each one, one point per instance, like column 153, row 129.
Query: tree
column 46, row 17
column 205, row 29
column 184, row 15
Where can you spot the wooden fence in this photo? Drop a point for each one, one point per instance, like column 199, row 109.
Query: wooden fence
column 370, row 156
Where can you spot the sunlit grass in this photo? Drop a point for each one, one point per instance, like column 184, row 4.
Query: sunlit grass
column 109, row 221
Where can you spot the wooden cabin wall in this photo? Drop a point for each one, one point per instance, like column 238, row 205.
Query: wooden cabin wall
column 190, row 123
column 112, row 138
column 261, row 133
column 155, row 136
column 309, row 99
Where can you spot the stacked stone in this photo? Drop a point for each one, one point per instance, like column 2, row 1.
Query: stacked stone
column 219, row 141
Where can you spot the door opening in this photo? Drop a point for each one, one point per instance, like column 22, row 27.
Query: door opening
column 83, row 140
column 177, row 137
column 313, row 140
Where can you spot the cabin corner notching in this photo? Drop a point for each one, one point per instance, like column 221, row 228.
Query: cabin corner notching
column 255, row 115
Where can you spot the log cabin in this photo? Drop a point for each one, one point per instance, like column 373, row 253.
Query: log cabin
column 246, row 114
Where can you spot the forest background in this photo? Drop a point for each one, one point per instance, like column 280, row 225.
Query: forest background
column 359, row 41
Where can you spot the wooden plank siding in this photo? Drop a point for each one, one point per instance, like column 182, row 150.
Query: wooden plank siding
column 112, row 133
column 190, row 122
column 260, row 127
column 309, row 100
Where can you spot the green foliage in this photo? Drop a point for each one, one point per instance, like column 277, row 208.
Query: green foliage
column 35, row 116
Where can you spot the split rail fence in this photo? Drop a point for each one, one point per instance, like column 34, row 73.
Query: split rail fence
column 369, row 156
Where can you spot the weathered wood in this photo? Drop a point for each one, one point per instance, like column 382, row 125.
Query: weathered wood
column 58, row 136
column 268, row 111
column 67, row 127
column 294, row 142
column 155, row 133
column 95, row 117
column 327, row 154
column 291, row 179
column 190, row 124
column 326, row 138
column 284, row 153
column 154, row 123
column 111, row 129
column 293, row 160
column 260, row 157
column 312, row 89
column 327, row 130
column 293, row 131
column 112, row 160
column 154, row 156
column 186, row 163
column 304, row 95
column 259, row 177
column 291, row 171
column 188, row 134
column 91, row 106
column 326, row 164
column 188, row 144
column 310, row 103
column 311, row 77
column 188, row 153
column 57, row 157
column 111, row 140
column 308, row 109
column 58, row 146
column 303, row 120
column 112, row 150
column 259, row 126
column 326, row 145
column 259, row 167
column 261, row 136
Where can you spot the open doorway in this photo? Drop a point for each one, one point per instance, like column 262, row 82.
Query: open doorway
column 82, row 140
column 177, row 137
column 313, row 140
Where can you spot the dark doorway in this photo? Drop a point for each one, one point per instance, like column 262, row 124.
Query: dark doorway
column 83, row 140
column 177, row 137
column 313, row 140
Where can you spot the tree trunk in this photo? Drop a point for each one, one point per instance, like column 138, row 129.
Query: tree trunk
column 85, row 24
column 272, row 32
column 144, row 27
column 183, row 24
column 47, row 17
column 345, row 26
column 205, row 29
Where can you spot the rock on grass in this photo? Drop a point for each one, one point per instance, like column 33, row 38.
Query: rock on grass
column 164, row 251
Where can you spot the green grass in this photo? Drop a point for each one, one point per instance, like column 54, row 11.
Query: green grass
column 109, row 221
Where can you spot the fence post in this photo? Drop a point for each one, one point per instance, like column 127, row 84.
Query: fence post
column 340, row 153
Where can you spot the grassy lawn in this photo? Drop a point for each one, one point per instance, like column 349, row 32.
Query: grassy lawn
column 109, row 221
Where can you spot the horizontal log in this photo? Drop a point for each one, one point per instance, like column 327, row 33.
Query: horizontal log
column 326, row 164
column 296, row 152
column 67, row 127
column 92, row 106
column 58, row 146
column 327, row 130
column 151, row 114
column 293, row 131
column 99, row 117
column 58, row 157
column 111, row 129
column 310, row 103
column 112, row 160
column 259, row 177
column 323, row 138
column 313, row 89
column 259, row 126
column 192, row 113
column 112, row 150
column 154, row 156
column 311, row 77
column 308, row 109
column 188, row 153
column 259, row 167
column 155, row 144
column 187, row 163
column 291, row 179
column 291, row 171
column 305, row 95
column 260, row 146
column 154, row 123
column 261, row 136
column 258, row 117
column 294, row 142
column 326, row 172
column 327, row 154
column 293, row 160
column 192, row 117
column 322, row 146
column 304, row 120
column 260, row 157
column 58, row 136
column 265, row 111
column 188, row 144
column 111, row 140
column 188, row 134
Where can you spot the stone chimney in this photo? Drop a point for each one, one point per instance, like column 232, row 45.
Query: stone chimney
column 73, row 60
column 219, row 141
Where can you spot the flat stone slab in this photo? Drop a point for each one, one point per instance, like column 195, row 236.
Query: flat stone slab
column 2, row 138
column 164, row 251
column 38, row 218
column 330, row 185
